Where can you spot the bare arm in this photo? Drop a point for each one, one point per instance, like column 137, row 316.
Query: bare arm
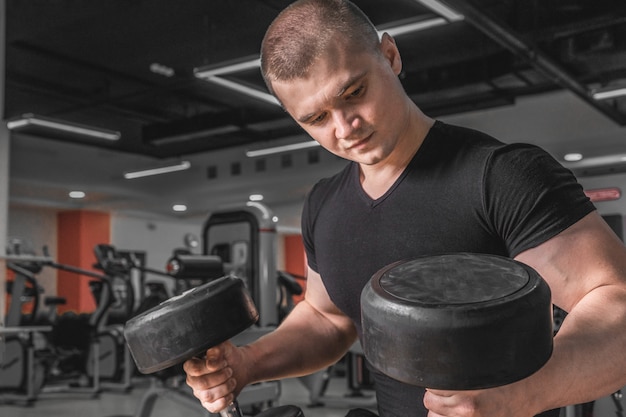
column 585, row 267
column 313, row 336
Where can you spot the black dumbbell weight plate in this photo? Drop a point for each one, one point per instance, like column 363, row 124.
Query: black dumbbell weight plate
column 187, row 325
column 457, row 321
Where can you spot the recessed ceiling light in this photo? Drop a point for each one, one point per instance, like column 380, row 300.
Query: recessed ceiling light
column 179, row 207
column 573, row 157
column 157, row 171
column 609, row 93
column 256, row 197
column 161, row 69
column 282, row 148
column 30, row 120
column 77, row 194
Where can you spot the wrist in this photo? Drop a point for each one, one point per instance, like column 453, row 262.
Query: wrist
column 528, row 394
column 249, row 366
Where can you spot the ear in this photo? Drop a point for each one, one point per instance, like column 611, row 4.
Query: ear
column 390, row 52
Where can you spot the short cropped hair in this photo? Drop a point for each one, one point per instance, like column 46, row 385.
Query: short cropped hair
column 302, row 32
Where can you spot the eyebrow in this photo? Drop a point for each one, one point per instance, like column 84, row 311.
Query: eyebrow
column 351, row 81
column 342, row 89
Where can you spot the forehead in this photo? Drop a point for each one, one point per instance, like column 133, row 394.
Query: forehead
column 327, row 78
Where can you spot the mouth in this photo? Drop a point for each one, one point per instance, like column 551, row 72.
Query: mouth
column 360, row 144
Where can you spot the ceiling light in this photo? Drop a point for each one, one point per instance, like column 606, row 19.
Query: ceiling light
column 609, row 93
column 597, row 161
column 228, row 68
column 77, row 194
column 414, row 27
column 213, row 75
column 161, row 69
column 442, row 10
column 242, row 88
column 573, row 157
column 280, row 149
column 30, row 120
column 179, row 207
column 156, row 171
column 256, row 197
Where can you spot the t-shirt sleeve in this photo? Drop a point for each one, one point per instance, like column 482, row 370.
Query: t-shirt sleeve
column 529, row 197
column 307, row 220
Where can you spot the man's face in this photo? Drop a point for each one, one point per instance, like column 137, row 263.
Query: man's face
column 351, row 103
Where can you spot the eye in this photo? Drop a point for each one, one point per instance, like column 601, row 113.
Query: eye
column 357, row 92
column 319, row 119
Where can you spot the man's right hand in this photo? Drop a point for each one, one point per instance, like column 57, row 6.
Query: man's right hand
column 218, row 378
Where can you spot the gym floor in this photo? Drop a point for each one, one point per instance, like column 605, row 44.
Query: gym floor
column 116, row 404
column 337, row 403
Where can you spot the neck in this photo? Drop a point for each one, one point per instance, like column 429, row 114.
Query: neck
column 418, row 126
column 377, row 179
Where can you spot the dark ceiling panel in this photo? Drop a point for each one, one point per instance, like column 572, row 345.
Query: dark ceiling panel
column 90, row 62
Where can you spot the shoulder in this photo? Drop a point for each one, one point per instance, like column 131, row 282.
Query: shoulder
column 459, row 145
column 321, row 195
column 325, row 187
column 527, row 162
column 318, row 198
column 472, row 145
column 450, row 151
column 466, row 136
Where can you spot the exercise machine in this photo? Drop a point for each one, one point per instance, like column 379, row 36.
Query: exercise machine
column 244, row 237
column 65, row 353
column 103, row 361
column 22, row 371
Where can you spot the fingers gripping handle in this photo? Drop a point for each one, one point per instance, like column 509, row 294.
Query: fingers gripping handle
column 232, row 410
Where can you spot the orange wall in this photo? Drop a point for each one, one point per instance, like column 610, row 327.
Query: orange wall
column 78, row 233
column 295, row 259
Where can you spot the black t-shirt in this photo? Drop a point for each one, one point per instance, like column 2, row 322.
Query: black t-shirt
column 464, row 191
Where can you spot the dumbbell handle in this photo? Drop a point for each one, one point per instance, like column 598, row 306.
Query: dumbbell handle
column 231, row 410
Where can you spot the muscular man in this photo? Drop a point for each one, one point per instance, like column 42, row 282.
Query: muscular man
column 415, row 187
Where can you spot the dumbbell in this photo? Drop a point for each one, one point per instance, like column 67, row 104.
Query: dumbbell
column 187, row 325
column 457, row 321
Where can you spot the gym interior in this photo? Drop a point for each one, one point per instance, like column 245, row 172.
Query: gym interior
column 142, row 160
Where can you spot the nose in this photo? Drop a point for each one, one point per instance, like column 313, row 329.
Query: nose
column 347, row 124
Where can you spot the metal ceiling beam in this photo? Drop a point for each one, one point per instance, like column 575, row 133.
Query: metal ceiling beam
column 144, row 88
column 602, row 22
column 212, row 124
column 541, row 62
column 77, row 99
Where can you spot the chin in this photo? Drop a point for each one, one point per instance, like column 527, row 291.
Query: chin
column 368, row 159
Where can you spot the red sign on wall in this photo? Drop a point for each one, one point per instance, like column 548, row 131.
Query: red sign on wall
column 604, row 194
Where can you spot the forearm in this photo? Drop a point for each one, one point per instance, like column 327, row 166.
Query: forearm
column 585, row 266
column 305, row 342
column 589, row 361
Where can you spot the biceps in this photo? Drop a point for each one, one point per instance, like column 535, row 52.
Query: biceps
column 317, row 296
column 583, row 257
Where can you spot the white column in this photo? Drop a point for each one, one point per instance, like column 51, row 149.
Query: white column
column 4, row 168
